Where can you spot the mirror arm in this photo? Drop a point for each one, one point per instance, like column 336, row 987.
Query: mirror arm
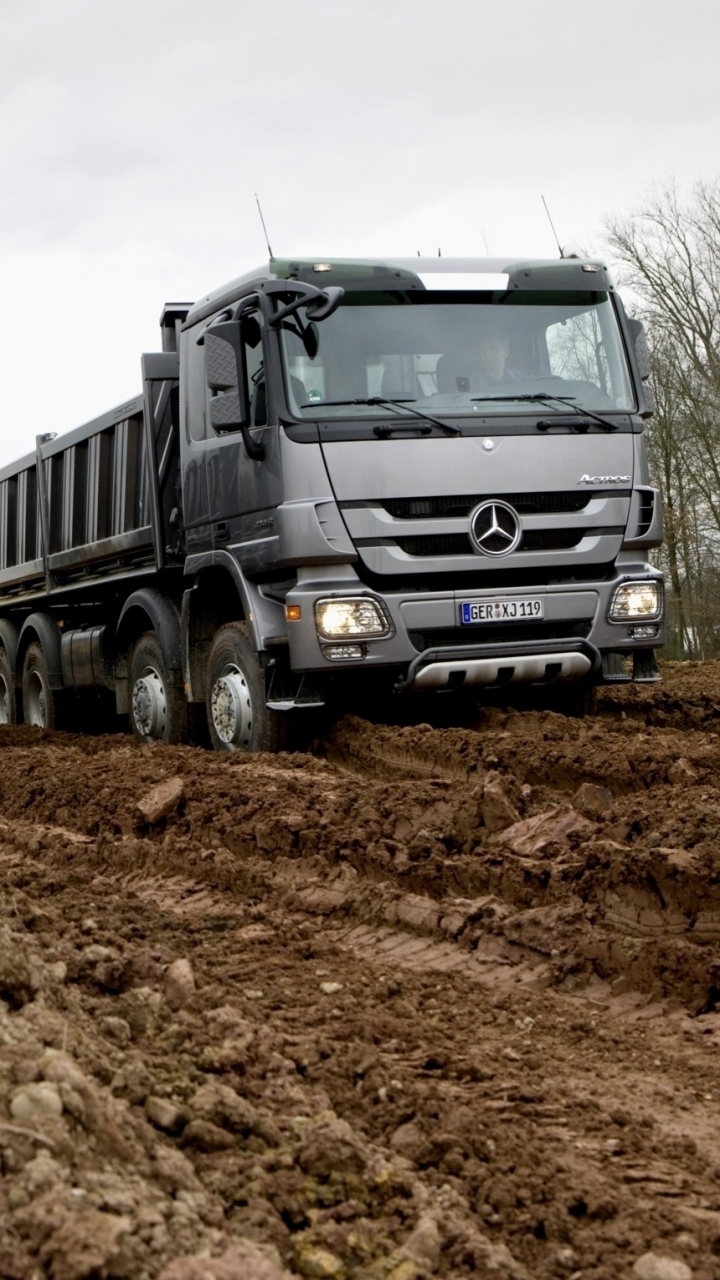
column 291, row 307
column 254, row 449
column 320, row 302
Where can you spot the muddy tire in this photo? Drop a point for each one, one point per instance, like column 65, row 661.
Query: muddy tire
column 237, row 714
column 158, row 710
column 577, row 701
column 42, row 706
column 8, row 692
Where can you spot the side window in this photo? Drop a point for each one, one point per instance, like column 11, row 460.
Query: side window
column 576, row 350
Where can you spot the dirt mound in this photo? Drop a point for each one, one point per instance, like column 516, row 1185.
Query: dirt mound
column 435, row 1002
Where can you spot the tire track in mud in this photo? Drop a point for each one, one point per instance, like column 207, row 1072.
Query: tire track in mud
column 436, row 959
column 588, row 848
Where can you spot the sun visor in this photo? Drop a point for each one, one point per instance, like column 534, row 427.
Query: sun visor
column 490, row 281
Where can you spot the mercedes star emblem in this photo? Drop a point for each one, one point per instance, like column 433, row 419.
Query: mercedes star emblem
column 494, row 529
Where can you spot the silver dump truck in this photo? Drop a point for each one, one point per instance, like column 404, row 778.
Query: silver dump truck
column 342, row 478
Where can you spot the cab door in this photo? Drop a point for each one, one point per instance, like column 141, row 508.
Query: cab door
column 243, row 492
column 193, row 443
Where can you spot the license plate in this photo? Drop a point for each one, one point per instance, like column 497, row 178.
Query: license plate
column 517, row 609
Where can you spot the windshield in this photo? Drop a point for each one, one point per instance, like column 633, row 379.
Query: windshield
column 449, row 354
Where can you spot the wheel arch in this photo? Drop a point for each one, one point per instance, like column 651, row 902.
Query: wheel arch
column 214, row 600
column 146, row 610
column 43, row 628
column 9, row 639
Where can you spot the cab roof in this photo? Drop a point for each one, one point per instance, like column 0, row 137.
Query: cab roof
column 477, row 274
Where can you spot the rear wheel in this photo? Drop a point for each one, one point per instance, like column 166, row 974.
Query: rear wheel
column 8, row 696
column 158, row 710
column 42, row 706
column 238, row 717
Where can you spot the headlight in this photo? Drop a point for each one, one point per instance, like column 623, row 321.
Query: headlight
column 636, row 600
column 356, row 616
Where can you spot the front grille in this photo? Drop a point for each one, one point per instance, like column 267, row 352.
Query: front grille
column 458, row 544
column 499, row 632
column 462, row 504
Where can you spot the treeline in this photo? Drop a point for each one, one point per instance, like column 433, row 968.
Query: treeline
column 670, row 256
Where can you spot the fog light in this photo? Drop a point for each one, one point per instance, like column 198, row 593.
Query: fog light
column 636, row 600
column 643, row 633
column 352, row 616
column 344, row 652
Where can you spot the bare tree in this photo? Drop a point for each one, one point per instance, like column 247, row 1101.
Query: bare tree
column 670, row 251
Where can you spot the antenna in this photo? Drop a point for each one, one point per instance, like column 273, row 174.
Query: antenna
column 549, row 220
column 267, row 238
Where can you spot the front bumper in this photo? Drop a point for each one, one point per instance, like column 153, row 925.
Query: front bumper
column 430, row 647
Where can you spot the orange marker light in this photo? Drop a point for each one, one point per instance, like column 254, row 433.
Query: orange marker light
column 292, row 612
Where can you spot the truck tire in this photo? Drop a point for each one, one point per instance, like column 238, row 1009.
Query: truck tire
column 238, row 717
column 8, row 696
column 42, row 706
column 158, row 710
column 577, row 701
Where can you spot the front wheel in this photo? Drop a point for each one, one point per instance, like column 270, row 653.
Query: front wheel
column 238, row 717
column 158, row 710
column 577, row 700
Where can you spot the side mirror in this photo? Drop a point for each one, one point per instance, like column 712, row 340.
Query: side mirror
column 225, row 374
column 642, row 354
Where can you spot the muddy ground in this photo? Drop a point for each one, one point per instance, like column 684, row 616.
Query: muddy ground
column 427, row 1002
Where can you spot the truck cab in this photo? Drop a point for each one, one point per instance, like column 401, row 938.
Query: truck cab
column 441, row 482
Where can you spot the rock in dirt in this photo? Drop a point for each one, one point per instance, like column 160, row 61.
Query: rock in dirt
column 531, row 836
column 423, row 1244
column 497, row 810
column 84, row 1244
column 221, row 1105
column 408, row 1139
column 332, row 1146
column 657, row 1266
column 174, row 1171
column 179, row 984
column 205, row 1136
column 681, row 772
column 316, row 1263
column 242, row 1261
column 164, row 1114
column 34, row 1100
column 593, row 798
column 161, row 800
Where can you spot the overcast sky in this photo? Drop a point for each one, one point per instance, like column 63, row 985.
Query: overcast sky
column 135, row 132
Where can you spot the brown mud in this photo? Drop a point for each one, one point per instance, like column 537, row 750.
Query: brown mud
column 431, row 1001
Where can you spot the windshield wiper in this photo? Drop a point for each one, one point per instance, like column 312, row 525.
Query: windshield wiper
column 544, row 397
column 393, row 404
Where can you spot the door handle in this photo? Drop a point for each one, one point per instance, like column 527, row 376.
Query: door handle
column 222, row 532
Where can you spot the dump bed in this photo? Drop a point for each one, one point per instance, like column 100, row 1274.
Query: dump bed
column 97, row 502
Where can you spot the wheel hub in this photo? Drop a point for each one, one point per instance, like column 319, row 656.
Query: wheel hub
column 149, row 705
column 231, row 708
column 5, row 695
column 37, row 704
